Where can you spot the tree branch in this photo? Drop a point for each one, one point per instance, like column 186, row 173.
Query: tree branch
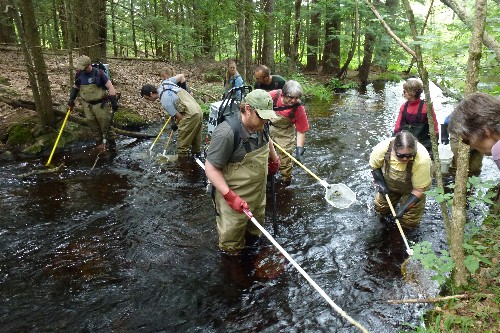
column 389, row 31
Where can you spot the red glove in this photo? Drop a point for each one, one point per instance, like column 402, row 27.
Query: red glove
column 235, row 201
column 273, row 167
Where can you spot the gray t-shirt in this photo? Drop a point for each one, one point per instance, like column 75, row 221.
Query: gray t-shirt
column 221, row 150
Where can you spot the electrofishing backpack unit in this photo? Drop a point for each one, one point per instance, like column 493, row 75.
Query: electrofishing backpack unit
column 229, row 105
column 100, row 66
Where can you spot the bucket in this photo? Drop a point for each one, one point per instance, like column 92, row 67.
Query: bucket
column 445, row 155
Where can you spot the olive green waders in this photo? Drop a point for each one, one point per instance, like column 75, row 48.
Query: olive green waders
column 247, row 179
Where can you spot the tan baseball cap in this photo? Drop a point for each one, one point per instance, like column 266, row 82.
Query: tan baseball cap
column 82, row 62
column 261, row 101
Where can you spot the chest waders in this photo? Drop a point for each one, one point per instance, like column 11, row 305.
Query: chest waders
column 419, row 129
column 99, row 116
column 247, row 179
column 190, row 127
column 400, row 187
column 283, row 133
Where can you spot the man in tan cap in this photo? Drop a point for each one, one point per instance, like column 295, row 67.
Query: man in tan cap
column 239, row 158
column 95, row 89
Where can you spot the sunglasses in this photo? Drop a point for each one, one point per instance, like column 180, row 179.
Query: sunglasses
column 405, row 155
column 293, row 97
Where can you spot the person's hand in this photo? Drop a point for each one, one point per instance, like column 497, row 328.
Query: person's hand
column 409, row 203
column 235, row 201
column 379, row 180
column 299, row 151
column 174, row 126
column 114, row 102
column 72, row 96
column 273, row 167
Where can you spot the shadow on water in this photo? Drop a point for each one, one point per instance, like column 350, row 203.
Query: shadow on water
column 132, row 245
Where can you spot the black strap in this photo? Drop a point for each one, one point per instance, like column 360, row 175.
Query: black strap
column 419, row 113
column 387, row 158
column 284, row 107
column 234, row 122
column 169, row 84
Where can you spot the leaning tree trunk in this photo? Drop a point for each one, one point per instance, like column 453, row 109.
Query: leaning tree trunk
column 460, row 193
column 35, row 65
column 352, row 50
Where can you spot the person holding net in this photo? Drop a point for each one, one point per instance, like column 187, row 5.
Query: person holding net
column 401, row 169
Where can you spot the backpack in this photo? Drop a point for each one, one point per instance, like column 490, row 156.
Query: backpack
column 102, row 67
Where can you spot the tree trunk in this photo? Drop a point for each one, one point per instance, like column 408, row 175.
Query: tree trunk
column 55, row 27
column 296, row 35
column 364, row 69
column 113, row 28
column 35, row 65
column 287, row 39
column 245, row 28
column 352, row 50
column 331, row 48
column 382, row 52
column 134, row 39
column 487, row 39
column 460, row 192
column 313, row 38
column 7, row 30
column 268, row 29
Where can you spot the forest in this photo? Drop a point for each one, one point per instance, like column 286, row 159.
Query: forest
column 329, row 44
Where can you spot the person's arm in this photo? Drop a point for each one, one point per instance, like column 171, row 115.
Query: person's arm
column 216, row 177
column 301, row 139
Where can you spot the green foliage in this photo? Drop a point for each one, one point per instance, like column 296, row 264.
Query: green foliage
column 127, row 118
column 212, row 76
column 335, row 84
column 482, row 192
column 475, row 256
column 389, row 76
column 313, row 90
column 442, row 265
column 20, row 134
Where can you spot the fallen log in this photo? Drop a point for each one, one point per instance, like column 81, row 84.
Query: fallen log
column 30, row 105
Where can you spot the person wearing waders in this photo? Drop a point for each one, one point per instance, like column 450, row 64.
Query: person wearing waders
column 96, row 90
column 183, row 108
column 239, row 158
column 264, row 80
column 289, row 129
column 168, row 72
column 401, row 168
column 413, row 114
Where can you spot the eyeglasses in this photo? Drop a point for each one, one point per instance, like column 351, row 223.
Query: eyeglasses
column 405, row 155
column 293, row 97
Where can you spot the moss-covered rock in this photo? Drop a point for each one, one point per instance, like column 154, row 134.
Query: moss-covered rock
column 128, row 119
column 20, row 134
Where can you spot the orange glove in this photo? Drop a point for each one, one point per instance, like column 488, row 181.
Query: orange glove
column 235, row 201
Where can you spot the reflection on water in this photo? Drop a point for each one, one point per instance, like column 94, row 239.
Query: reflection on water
column 132, row 245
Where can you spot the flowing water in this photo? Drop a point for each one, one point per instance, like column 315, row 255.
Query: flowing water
column 131, row 246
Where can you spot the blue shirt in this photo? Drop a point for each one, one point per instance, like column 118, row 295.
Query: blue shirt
column 96, row 76
column 169, row 98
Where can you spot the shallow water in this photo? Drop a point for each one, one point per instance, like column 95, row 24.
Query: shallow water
column 131, row 246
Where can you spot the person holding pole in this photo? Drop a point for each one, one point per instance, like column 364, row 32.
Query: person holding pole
column 183, row 108
column 238, row 160
column 290, row 127
column 95, row 89
column 401, row 169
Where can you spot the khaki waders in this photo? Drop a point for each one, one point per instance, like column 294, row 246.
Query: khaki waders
column 282, row 131
column 97, row 112
column 248, row 180
column 190, row 127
